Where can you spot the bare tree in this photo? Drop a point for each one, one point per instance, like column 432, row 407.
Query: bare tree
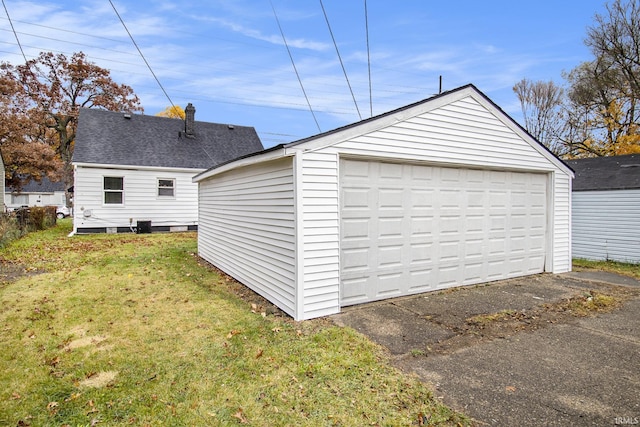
column 541, row 104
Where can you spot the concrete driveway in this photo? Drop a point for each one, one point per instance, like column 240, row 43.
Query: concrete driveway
column 517, row 352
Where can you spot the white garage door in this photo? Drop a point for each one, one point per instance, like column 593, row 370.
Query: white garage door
column 413, row 228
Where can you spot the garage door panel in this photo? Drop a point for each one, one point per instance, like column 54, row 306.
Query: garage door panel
column 411, row 228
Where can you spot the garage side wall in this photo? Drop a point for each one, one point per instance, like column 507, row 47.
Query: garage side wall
column 247, row 228
column 321, row 234
column 561, row 232
column 606, row 225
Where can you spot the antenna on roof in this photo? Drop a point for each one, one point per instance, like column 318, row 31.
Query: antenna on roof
column 440, row 89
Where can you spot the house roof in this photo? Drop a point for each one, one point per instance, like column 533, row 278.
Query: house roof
column 112, row 138
column 606, row 173
column 44, row 186
column 469, row 88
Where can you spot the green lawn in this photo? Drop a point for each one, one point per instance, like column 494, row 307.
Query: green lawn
column 631, row 270
column 136, row 330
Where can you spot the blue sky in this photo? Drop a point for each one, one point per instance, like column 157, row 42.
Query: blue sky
column 229, row 60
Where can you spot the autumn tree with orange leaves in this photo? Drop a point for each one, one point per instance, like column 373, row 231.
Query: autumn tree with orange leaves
column 172, row 112
column 40, row 101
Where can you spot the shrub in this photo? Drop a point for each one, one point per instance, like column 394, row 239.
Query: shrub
column 9, row 229
column 18, row 223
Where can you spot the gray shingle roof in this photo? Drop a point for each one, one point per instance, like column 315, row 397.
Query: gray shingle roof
column 606, row 173
column 106, row 137
column 44, row 186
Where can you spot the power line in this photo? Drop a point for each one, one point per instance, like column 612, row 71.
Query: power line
column 326, row 18
column 366, row 24
column 14, row 31
column 143, row 58
column 294, row 66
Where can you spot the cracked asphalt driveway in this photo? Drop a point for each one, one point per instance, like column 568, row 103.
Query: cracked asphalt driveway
column 517, row 352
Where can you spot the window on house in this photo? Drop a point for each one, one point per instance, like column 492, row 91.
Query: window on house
column 113, row 190
column 20, row 199
column 166, row 187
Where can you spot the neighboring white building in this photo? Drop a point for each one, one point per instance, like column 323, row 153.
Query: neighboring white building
column 134, row 172
column 606, row 208
column 445, row 192
column 43, row 193
column 2, row 204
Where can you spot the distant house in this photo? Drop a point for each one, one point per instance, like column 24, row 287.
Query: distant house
column 2, row 203
column 445, row 192
column 606, row 208
column 134, row 172
column 43, row 193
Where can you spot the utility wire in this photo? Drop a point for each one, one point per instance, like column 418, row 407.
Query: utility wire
column 294, row 66
column 326, row 18
column 366, row 24
column 140, row 52
column 14, row 31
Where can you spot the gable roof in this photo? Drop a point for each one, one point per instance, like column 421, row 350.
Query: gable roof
column 44, row 186
column 385, row 119
column 606, row 173
column 112, row 138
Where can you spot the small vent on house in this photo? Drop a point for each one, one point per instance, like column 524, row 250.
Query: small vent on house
column 127, row 116
column 231, row 127
column 630, row 166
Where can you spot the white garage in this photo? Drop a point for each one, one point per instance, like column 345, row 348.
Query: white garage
column 446, row 192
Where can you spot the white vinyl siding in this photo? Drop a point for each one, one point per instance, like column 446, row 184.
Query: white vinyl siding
column 141, row 202
column 247, row 228
column 321, row 219
column 461, row 133
column 606, row 225
column 14, row 201
column 560, row 224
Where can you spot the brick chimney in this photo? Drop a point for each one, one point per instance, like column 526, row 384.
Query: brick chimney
column 189, row 118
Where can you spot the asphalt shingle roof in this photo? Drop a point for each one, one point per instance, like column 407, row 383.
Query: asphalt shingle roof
column 606, row 173
column 107, row 137
column 44, row 186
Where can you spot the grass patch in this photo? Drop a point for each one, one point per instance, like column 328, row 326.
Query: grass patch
column 136, row 330
column 626, row 269
column 484, row 319
column 592, row 301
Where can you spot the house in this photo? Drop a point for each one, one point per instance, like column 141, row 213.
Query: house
column 2, row 203
column 606, row 208
column 134, row 172
column 445, row 192
column 33, row 193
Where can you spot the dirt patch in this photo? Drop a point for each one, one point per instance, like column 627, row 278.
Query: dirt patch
column 11, row 271
column 99, row 379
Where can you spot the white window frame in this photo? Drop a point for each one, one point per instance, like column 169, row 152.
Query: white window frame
column 109, row 190
column 173, row 188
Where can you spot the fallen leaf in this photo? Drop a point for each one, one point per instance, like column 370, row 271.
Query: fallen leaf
column 240, row 416
column 510, row 388
column 232, row 333
column 259, row 355
column 15, row 396
column 276, row 329
column 254, row 307
column 52, row 405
